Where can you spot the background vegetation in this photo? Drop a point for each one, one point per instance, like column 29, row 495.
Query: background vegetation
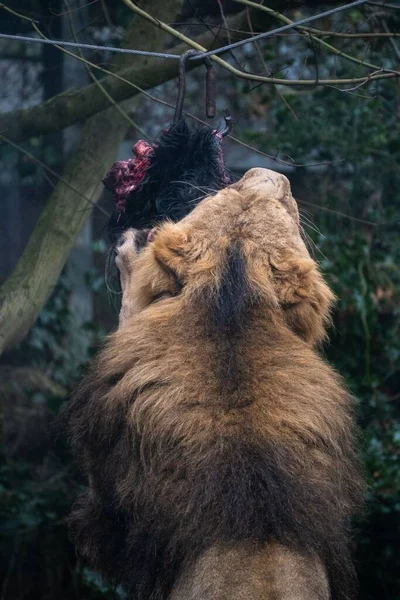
column 350, row 205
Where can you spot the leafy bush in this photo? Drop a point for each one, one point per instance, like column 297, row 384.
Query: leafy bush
column 38, row 480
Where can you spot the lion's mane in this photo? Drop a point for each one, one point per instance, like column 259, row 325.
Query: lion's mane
column 210, row 417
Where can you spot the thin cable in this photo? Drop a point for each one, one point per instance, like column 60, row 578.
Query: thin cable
column 384, row 5
column 200, row 55
column 266, row 34
column 22, row 38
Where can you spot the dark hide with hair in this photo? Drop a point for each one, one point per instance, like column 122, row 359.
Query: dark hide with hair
column 186, row 165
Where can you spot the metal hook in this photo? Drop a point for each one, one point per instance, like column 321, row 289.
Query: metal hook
column 228, row 124
column 210, row 86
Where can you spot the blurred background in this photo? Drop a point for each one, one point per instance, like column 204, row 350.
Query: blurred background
column 63, row 122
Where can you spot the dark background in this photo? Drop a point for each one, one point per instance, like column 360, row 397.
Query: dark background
column 340, row 147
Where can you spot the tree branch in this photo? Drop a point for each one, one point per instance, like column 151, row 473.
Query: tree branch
column 379, row 73
column 73, row 106
column 97, row 82
column 24, row 293
column 322, row 32
column 310, row 33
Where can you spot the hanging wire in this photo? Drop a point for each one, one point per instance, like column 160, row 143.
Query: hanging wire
column 199, row 55
column 22, row 38
column 266, row 34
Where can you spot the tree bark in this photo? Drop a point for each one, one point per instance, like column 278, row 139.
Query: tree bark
column 24, row 293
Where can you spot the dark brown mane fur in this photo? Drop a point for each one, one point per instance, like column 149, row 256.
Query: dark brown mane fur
column 209, row 416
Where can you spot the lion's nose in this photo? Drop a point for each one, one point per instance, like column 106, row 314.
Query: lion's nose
column 270, row 183
column 264, row 186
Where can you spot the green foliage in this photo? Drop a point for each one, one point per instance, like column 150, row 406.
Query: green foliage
column 38, row 480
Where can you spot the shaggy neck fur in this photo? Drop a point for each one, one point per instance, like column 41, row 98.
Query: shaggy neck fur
column 176, row 468
column 209, row 416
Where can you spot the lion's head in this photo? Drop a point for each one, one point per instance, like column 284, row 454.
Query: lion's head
column 251, row 226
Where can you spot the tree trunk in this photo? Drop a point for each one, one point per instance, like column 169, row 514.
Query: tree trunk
column 24, row 293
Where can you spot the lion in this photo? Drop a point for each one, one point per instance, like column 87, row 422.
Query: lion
column 219, row 446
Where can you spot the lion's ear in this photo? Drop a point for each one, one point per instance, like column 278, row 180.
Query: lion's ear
column 170, row 247
column 304, row 297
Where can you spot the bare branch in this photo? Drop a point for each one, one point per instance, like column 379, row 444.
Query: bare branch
column 392, row 41
column 310, row 33
column 382, row 74
column 96, row 81
column 48, row 170
column 24, row 293
column 320, row 32
column 73, row 106
column 384, row 5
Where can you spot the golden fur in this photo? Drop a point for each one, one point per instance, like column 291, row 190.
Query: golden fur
column 218, row 443
column 252, row 571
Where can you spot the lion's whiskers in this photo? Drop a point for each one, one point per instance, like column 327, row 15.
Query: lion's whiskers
column 205, row 190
